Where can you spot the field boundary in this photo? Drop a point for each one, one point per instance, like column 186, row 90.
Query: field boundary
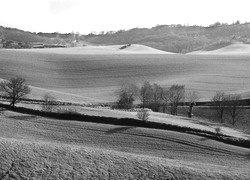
column 131, row 122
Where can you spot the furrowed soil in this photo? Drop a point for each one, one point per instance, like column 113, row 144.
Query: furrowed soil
column 93, row 78
column 33, row 146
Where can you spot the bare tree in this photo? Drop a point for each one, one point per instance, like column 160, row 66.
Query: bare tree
column 157, row 95
column 176, row 95
column 165, row 99
column 143, row 114
column 234, row 107
column 49, row 103
column 127, row 95
column 191, row 97
column 146, row 94
column 219, row 100
column 15, row 89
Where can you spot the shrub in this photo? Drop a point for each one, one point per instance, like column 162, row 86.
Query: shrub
column 143, row 114
column 217, row 130
column 49, row 103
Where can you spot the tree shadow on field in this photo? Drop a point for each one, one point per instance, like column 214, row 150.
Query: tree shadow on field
column 119, row 129
column 23, row 117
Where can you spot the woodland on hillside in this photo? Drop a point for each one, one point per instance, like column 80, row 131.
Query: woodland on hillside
column 178, row 38
column 172, row 38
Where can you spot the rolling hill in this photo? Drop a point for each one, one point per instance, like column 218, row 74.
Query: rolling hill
column 170, row 38
column 37, row 147
column 232, row 49
column 20, row 36
column 74, row 76
column 176, row 38
column 115, row 49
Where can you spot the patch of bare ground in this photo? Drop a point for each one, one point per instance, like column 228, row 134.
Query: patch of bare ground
column 29, row 160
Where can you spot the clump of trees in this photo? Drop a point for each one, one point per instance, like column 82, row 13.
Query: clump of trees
column 176, row 96
column 143, row 114
column 230, row 105
column 234, row 107
column 49, row 103
column 219, row 100
column 158, row 98
column 14, row 90
column 151, row 96
column 127, row 95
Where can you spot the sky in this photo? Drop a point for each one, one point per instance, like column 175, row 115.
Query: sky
column 86, row 16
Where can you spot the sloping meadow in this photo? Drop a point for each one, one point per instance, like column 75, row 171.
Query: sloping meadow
column 29, row 160
column 95, row 77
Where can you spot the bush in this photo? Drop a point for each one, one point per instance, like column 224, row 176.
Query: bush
column 49, row 103
column 217, row 130
column 143, row 114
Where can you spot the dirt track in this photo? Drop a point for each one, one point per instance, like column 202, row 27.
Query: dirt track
column 151, row 142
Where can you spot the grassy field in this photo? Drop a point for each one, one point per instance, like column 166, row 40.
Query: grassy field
column 209, row 117
column 232, row 49
column 71, row 149
column 40, row 148
column 79, row 77
column 29, row 160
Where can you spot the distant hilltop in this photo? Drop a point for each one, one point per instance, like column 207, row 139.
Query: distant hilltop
column 169, row 38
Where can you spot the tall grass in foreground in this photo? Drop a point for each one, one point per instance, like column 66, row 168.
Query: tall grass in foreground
column 26, row 160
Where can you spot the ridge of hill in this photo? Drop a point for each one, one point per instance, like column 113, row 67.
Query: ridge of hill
column 112, row 49
column 20, row 36
column 177, row 38
column 170, row 38
column 14, row 34
column 232, row 49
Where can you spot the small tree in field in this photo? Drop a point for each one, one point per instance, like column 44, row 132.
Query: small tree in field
column 143, row 114
column 165, row 99
column 49, row 103
column 234, row 107
column 157, row 96
column 192, row 98
column 176, row 95
column 146, row 94
column 219, row 100
column 15, row 89
column 126, row 95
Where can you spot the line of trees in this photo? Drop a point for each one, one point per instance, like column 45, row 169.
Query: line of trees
column 228, row 104
column 152, row 96
column 157, row 98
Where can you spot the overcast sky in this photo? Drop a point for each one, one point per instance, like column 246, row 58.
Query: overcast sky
column 85, row 16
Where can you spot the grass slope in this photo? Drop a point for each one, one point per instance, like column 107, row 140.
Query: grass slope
column 233, row 49
column 25, row 160
column 95, row 77
column 20, row 36
column 115, row 49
